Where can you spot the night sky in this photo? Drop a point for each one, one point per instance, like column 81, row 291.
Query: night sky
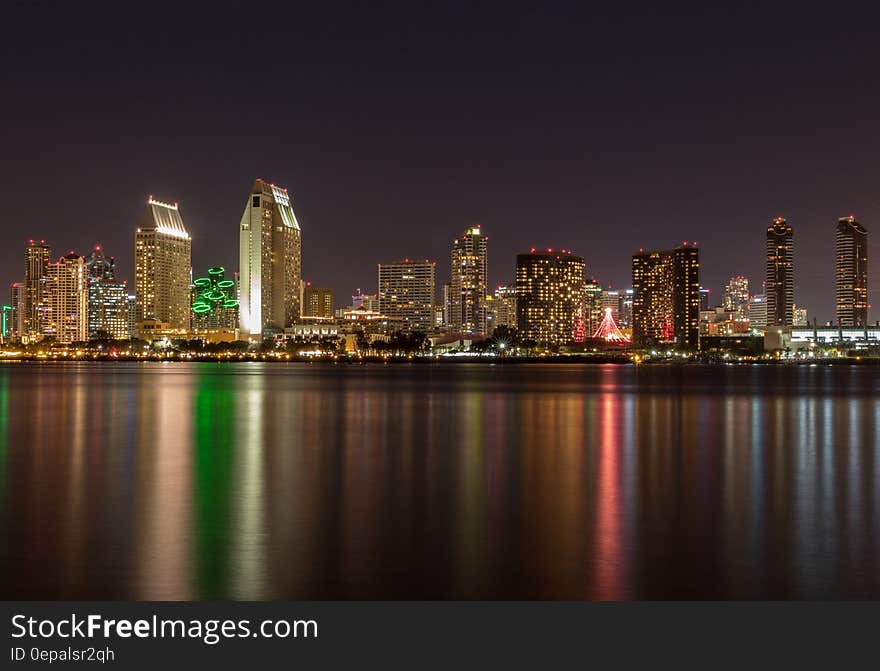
column 396, row 126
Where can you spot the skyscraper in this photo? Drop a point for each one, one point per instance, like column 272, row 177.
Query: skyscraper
column 34, row 305
column 406, row 292
column 67, row 299
column 779, row 285
column 549, row 295
column 270, row 261
column 317, row 301
column 468, row 282
column 17, row 303
column 592, row 305
column 505, row 306
column 851, row 249
column 108, row 299
column 162, row 268
column 666, row 296
column 736, row 296
column 758, row 311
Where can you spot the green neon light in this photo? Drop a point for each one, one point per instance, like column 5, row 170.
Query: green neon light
column 214, row 292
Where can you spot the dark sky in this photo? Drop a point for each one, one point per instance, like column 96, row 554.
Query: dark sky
column 396, row 126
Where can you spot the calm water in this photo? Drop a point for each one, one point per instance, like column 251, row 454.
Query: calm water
column 293, row 481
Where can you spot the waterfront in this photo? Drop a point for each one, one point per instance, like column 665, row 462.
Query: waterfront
column 298, row 481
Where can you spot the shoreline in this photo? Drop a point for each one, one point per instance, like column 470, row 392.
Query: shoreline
column 452, row 361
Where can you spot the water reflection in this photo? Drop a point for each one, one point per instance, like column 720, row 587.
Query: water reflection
column 254, row 481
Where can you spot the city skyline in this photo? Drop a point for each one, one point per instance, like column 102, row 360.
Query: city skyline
column 165, row 218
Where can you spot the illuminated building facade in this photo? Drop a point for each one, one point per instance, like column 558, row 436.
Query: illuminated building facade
column 736, row 297
column 67, row 299
column 406, row 292
column 592, row 305
column 162, row 268
column 16, row 302
column 851, row 250
column 270, row 261
column 132, row 301
column 504, row 307
column 758, row 311
column 549, row 295
column 467, row 287
column 626, row 308
column 34, row 305
column 317, row 301
column 666, row 297
column 365, row 301
column 108, row 299
column 779, row 285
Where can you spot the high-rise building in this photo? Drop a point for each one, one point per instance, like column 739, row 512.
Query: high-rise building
column 17, row 299
column 34, row 306
column 736, row 296
column 132, row 311
column 758, row 311
column 666, row 296
column 467, row 299
column 779, row 286
column 626, row 308
column 800, row 316
column 446, row 300
column 317, row 301
column 162, row 268
column 851, row 248
column 108, row 299
column 549, row 295
column 705, row 298
column 67, row 299
column 611, row 300
column 592, row 305
column 406, row 292
column 504, row 304
column 270, row 261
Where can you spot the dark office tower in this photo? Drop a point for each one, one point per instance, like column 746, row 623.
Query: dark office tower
column 686, row 295
column 705, row 298
column 666, row 297
column 851, row 248
column 468, row 284
column 35, row 295
column 549, row 295
column 779, row 285
column 270, row 261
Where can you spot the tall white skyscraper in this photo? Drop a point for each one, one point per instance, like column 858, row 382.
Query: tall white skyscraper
column 270, row 261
